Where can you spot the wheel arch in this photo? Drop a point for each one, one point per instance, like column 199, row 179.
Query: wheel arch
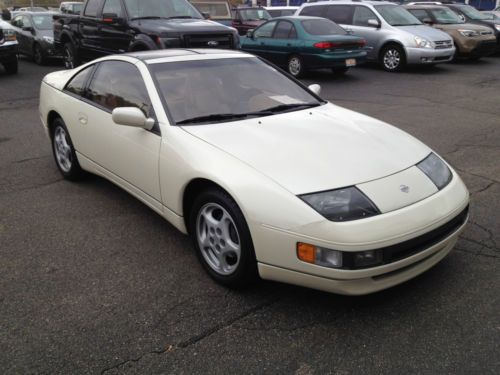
column 51, row 117
column 192, row 189
column 389, row 43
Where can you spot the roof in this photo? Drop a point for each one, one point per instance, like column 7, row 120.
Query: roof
column 425, row 6
column 176, row 53
column 343, row 2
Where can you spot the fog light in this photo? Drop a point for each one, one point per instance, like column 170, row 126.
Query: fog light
column 367, row 258
column 319, row 255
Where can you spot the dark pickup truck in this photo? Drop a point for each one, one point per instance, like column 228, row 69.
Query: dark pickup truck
column 116, row 26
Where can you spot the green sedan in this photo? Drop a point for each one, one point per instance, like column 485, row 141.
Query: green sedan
column 305, row 43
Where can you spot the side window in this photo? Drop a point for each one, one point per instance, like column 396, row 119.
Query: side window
column 293, row 33
column 362, row 15
column 113, row 7
column 27, row 22
column 341, row 14
column 119, row 84
column 421, row 14
column 77, row 84
column 282, row 30
column 18, row 21
column 315, row 10
column 266, row 30
column 91, row 8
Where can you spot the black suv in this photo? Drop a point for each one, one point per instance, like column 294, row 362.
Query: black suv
column 115, row 26
column 8, row 47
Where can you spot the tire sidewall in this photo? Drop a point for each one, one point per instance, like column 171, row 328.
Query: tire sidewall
column 41, row 60
column 246, row 272
column 75, row 172
column 68, row 47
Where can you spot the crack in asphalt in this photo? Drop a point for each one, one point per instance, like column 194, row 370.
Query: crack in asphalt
column 32, row 187
column 196, row 338
column 30, row 159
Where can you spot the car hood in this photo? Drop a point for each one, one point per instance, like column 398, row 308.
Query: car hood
column 318, row 149
column 461, row 26
column 179, row 26
column 426, row 32
column 42, row 33
column 5, row 26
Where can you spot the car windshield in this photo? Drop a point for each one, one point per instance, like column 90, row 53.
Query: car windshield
column 473, row 13
column 42, row 22
column 322, row 27
column 445, row 16
column 138, row 9
column 214, row 9
column 395, row 15
column 219, row 90
column 254, row 14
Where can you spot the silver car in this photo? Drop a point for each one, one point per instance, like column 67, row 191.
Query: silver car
column 394, row 36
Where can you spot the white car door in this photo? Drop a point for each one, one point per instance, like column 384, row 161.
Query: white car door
column 130, row 155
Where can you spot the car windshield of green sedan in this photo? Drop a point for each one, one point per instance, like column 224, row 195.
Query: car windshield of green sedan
column 197, row 92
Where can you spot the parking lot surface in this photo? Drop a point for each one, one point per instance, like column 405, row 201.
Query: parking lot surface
column 92, row 281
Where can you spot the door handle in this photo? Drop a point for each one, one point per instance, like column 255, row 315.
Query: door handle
column 83, row 118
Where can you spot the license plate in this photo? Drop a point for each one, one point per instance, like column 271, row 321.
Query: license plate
column 350, row 62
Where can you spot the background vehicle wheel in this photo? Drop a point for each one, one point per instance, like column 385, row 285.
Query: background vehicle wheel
column 340, row 70
column 71, row 59
column 296, row 66
column 222, row 239
column 11, row 66
column 64, row 152
column 38, row 56
column 393, row 58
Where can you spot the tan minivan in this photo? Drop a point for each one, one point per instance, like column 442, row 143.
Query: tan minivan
column 471, row 41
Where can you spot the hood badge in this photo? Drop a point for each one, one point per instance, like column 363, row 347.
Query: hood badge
column 404, row 188
column 213, row 43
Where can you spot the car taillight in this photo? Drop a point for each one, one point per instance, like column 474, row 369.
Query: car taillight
column 325, row 45
column 362, row 42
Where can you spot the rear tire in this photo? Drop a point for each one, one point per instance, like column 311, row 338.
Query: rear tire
column 296, row 66
column 222, row 239
column 71, row 58
column 64, row 152
column 38, row 56
column 393, row 58
column 11, row 66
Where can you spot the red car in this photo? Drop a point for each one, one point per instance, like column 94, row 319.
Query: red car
column 249, row 18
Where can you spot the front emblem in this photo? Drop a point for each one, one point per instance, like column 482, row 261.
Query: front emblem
column 213, row 43
column 404, row 188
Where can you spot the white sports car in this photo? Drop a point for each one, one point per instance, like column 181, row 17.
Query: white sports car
column 267, row 178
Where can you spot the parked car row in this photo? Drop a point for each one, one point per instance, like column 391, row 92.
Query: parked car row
column 328, row 34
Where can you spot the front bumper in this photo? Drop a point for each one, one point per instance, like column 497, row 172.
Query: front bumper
column 428, row 56
column 277, row 258
column 8, row 51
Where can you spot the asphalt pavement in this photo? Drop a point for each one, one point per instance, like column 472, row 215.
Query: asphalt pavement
column 92, row 281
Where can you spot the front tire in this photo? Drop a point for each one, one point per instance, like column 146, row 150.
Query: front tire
column 222, row 239
column 38, row 56
column 392, row 58
column 64, row 152
column 71, row 59
column 296, row 66
column 11, row 66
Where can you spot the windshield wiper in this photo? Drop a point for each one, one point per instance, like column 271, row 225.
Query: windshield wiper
column 148, row 18
column 181, row 17
column 232, row 116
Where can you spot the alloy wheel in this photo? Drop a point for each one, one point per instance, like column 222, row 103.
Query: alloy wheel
column 218, row 239
column 294, row 66
column 392, row 59
column 62, row 150
column 69, row 61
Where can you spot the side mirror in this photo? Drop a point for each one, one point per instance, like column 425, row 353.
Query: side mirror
column 250, row 33
column 427, row 21
column 28, row 28
column 373, row 22
column 315, row 88
column 132, row 116
column 205, row 15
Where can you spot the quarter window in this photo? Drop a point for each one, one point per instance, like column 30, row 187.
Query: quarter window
column 91, row 8
column 119, row 84
column 362, row 15
column 77, row 84
column 266, row 30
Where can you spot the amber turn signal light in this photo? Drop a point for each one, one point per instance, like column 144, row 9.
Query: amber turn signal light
column 306, row 252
